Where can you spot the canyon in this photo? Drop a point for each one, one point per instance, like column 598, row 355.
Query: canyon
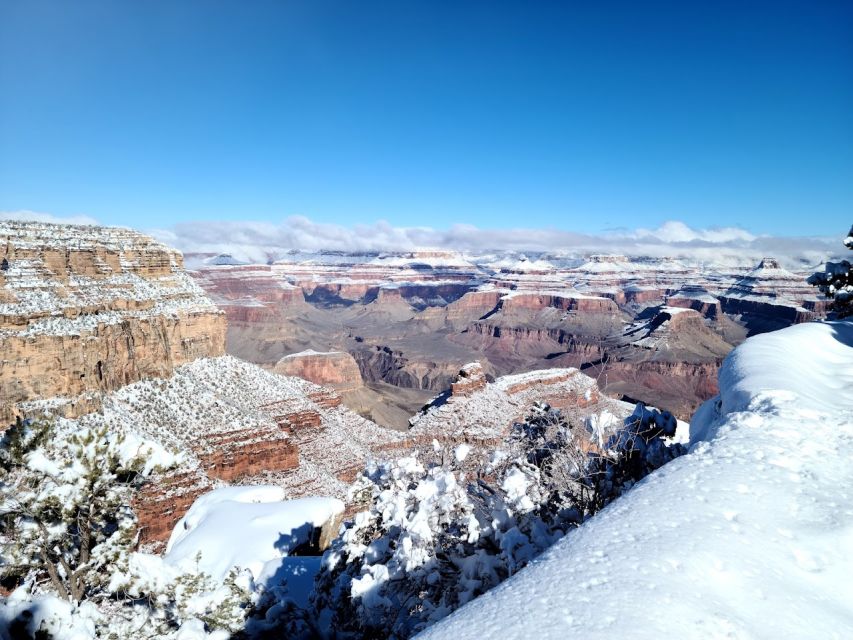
column 104, row 329
column 337, row 359
column 648, row 329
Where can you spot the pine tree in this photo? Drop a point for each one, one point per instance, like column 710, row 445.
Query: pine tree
column 836, row 282
column 65, row 514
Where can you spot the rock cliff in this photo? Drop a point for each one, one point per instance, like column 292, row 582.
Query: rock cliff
column 481, row 414
column 231, row 421
column 86, row 308
column 411, row 319
column 334, row 369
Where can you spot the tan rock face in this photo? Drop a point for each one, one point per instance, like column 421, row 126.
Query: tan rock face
column 335, row 369
column 93, row 309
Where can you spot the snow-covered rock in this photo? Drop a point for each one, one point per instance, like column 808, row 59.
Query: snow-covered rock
column 246, row 527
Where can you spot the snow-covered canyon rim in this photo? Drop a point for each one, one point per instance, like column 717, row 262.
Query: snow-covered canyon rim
column 750, row 535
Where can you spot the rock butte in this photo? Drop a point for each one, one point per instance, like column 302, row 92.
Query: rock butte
column 335, row 369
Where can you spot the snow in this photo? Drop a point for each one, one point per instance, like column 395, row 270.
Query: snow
column 60, row 619
column 674, row 311
column 124, row 275
column 631, row 265
column 245, row 527
column 750, row 535
column 435, row 259
column 211, row 398
column 523, row 265
column 311, row 352
column 296, row 572
column 461, row 452
column 568, row 293
column 601, row 426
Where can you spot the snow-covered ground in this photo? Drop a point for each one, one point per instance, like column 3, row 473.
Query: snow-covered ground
column 750, row 535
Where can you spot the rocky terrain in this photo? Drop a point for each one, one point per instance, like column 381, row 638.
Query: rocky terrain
column 411, row 320
column 481, row 413
column 105, row 327
column 231, row 422
column 92, row 308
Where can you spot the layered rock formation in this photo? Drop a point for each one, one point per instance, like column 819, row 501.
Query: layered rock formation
column 234, row 422
column 471, row 379
column 92, row 308
column 482, row 414
column 411, row 320
column 335, row 369
column 770, row 297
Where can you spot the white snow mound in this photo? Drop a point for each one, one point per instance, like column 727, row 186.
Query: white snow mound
column 245, row 527
column 750, row 535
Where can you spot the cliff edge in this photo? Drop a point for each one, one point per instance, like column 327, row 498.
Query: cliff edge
column 86, row 308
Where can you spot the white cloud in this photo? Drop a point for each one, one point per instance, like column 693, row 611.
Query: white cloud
column 675, row 231
column 35, row 216
column 263, row 241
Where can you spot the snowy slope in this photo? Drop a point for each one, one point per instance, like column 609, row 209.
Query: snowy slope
column 750, row 535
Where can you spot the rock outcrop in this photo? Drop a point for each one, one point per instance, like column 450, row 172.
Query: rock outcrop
column 471, row 378
column 482, row 414
column 87, row 308
column 335, row 369
column 231, row 421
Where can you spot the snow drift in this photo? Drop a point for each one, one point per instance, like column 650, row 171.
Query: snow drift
column 245, row 527
column 749, row 535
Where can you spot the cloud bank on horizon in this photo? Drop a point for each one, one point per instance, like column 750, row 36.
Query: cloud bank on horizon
column 262, row 242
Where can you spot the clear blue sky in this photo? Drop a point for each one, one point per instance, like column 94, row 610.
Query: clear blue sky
column 498, row 114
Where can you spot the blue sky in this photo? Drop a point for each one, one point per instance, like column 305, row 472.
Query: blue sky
column 499, row 115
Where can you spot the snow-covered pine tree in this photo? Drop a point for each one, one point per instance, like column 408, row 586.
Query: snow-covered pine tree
column 836, row 282
column 65, row 516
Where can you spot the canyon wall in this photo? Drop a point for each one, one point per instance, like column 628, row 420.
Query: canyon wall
column 87, row 308
column 335, row 369
column 412, row 319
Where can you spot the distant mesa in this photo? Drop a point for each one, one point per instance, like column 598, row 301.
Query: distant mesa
column 602, row 258
column 335, row 369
